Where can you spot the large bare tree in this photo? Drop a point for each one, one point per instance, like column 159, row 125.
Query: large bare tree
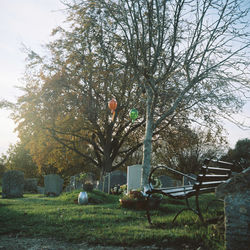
column 186, row 55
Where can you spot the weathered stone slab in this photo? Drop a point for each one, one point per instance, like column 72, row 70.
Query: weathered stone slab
column 166, row 181
column 30, row 185
column 134, row 177
column 236, row 194
column 237, row 210
column 238, row 184
column 53, row 185
column 13, row 184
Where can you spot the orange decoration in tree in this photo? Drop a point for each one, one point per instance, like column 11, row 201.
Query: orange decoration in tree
column 112, row 106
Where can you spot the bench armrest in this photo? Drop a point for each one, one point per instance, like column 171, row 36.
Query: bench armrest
column 169, row 169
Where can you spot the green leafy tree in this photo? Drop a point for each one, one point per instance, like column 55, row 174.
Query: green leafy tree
column 240, row 155
column 18, row 158
column 2, row 165
column 186, row 149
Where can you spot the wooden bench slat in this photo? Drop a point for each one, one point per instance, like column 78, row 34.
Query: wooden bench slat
column 206, row 190
column 176, row 190
column 220, row 163
column 209, row 177
column 207, row 184
column 182, row 195
column 216, row 170
column 173, row 188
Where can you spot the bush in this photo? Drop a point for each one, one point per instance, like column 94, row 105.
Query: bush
column 88, row 186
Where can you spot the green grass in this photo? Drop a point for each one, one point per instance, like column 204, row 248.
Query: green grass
column 105, row 222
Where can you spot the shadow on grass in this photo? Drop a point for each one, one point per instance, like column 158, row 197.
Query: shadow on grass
column 105, row 223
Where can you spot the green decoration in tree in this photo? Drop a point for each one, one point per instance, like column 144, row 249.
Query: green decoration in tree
column 133, row 114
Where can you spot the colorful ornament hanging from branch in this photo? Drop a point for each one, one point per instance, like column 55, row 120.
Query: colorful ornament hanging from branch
column 112, row 106
column 133, row 114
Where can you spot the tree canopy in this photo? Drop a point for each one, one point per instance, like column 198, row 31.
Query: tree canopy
column 240, row 155
column 176, row 61
column 186, row 149
column 18, row 158
column 63, row 116
column 188, row 55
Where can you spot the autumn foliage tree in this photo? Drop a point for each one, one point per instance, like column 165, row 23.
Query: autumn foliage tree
column 63, row 115
column 169, row 59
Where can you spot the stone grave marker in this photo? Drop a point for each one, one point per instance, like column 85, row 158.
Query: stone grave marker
column 13, row 184
column 236, row 194
column 166, row 181
column 53, row 185
column 134, row 177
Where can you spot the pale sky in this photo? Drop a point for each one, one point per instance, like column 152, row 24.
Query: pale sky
column 30, row 22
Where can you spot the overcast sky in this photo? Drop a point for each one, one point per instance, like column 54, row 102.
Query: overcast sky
column 30, row 22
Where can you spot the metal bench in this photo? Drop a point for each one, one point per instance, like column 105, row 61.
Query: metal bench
column 212, row 173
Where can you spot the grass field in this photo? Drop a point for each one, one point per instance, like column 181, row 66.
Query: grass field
column 105, row 222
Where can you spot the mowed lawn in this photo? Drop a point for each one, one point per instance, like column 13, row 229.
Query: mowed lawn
column 105, row 222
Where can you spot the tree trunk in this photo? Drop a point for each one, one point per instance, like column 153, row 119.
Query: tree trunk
column 147, row 144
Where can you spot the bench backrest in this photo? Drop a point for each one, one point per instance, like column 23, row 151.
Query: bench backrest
column 210, row 176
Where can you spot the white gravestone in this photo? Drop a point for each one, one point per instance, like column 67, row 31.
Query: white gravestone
column 134, row 177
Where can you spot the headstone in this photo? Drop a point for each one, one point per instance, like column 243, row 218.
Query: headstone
column 236, row 194
column 53, row 184
column 134, row 177
column 188, row 181
column 13, row 184
column 166, row 181
column 30, row 185
column 112, row 179
column 40, row 190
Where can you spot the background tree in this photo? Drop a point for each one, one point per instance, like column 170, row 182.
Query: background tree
column 2, row 165
column 240, row 155
column 186, row 55
column 63, row 115
column 185, row 149
column 18, row 158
